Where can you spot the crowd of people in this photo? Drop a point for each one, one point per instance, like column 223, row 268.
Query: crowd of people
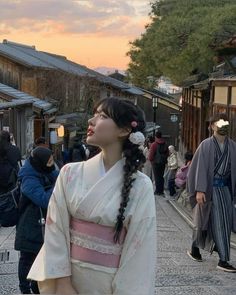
column 88, row 224
column 162, row 166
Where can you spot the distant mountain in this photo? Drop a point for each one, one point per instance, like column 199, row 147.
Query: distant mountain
column 107, row 71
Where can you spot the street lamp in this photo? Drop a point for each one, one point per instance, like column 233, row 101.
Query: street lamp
column 154, row 106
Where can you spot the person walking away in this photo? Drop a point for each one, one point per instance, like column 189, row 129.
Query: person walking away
column 13, row 152
column 158, row 157
column 8, row 174
column 37, row 177
column 100, row 233
column 211, row 185
column 172, row 166
column 147, row 167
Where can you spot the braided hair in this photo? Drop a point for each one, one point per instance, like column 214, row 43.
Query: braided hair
column 123, row 113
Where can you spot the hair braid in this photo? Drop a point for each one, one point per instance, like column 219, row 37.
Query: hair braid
column 134, row 159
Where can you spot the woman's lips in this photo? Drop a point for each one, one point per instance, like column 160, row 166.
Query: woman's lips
column 90, row 132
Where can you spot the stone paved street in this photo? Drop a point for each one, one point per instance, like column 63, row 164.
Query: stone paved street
column 176, row 272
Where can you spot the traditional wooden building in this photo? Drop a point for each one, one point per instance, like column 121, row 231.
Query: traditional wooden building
column 204, row 96
column 73, row 88
column 200, row 101
column 223, row 99
column 24, row 116
column 165, row 117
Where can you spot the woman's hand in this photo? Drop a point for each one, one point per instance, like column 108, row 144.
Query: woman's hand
column 64, row 286
column 201, row 198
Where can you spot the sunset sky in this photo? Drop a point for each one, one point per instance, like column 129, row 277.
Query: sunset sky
column 91, row 32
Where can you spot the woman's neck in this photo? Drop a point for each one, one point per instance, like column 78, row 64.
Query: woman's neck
column 111, row 155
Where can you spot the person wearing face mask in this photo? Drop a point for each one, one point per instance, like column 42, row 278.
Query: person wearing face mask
column 37, row 178
column 211, row 186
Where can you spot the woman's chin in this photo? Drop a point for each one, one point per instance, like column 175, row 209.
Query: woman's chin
column 91, row 141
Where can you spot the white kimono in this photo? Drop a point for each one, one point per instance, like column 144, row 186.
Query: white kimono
column 86, row 192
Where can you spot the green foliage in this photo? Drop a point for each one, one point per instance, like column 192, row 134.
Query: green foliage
column 182, row 39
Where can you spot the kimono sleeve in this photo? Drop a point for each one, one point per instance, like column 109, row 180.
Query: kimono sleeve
column 136, row 274
column 197, row 179
column 53, row 260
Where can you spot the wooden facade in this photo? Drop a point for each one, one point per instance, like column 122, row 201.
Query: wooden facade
column 167, row 108
column 26, row 117
column 199, row 102
column 224, row 100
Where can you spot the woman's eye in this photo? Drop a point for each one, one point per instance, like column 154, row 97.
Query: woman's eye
column 103, row 116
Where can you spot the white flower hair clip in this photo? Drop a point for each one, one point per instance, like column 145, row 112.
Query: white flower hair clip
column 221, row 123
column 137, row 138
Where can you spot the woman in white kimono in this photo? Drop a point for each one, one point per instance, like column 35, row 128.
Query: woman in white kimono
column 100, row 235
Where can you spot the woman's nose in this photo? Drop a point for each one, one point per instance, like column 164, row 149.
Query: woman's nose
column 91, row 121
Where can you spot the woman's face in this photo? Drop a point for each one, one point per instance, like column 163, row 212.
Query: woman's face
column 103, row 131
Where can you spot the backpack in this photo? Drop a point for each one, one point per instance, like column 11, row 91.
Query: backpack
column 9, row 200
column 161, row 154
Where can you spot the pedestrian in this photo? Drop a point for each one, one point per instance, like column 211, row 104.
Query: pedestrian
column 78, row 152
column 147, row 168
column 172, row 166
column 211, row 185
column 8, row 174
column 37, row 177
column 181, row 174
column 158, row 157
column 41, row 141
column 13, row 152
column 8, row 180
column 101, row 224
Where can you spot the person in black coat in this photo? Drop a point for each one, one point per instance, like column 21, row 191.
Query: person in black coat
column 8, row 175
column 13, row 152
column 37, row 178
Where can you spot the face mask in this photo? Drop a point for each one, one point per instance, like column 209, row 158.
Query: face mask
column 224, row 130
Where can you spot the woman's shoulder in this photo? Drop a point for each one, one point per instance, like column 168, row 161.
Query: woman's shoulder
column 69, row 167
column 143, row 181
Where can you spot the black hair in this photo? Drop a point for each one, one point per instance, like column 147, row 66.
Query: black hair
column 40, row 140
column 5, row 135
column 188, row 156
column 151, row 138
column 158, row 134
column 217, row 117
column 123, row 113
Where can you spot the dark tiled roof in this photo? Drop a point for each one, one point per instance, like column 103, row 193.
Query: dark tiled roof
column 30, row 57
column 22, row 97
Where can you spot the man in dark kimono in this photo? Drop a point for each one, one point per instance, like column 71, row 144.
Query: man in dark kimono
column 211, row 186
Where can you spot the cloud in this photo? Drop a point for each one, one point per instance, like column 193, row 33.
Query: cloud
column 112, row 17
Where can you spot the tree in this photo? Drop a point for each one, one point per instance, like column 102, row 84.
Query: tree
column 181, row 39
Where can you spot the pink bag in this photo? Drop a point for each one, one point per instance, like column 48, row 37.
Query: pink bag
column 181, row 176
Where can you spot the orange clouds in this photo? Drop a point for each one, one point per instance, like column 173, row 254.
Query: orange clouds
column 91, row 32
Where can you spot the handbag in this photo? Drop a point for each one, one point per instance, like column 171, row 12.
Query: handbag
column 9, row 207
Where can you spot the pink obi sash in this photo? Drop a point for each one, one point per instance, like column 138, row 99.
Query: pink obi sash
column 93, row 243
